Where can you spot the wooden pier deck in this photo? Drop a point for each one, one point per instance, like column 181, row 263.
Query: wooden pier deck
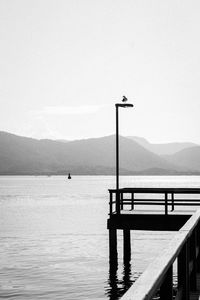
column 183, row 249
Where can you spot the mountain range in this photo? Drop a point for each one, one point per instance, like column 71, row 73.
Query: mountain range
column 162, row 149
column 95, row 156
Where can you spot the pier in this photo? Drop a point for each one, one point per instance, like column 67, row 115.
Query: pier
column 165, row 209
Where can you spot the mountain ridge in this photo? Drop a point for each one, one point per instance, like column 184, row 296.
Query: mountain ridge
column 95, row 156
column 162, row 148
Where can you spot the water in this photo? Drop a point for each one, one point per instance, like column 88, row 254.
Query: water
column 54, row 241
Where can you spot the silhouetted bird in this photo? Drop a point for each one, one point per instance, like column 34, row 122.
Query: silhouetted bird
column 124, row 99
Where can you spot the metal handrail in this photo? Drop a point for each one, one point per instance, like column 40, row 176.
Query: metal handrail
column 168, row 198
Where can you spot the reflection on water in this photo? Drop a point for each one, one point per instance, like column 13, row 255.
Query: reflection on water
column 116, row 288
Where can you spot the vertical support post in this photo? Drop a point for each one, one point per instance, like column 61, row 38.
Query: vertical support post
column 127, row 245
column 118, row 208
column 113, row 255
column 132, row 201
column 111, row 203
column 183, row 273
column 166, row 204
column 172, row 201
column 121, row 201
column 193, row 275
column 166, row 289
column 117, row 147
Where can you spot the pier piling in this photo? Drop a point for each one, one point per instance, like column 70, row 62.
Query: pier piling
column 127, row 245
column 113, row 255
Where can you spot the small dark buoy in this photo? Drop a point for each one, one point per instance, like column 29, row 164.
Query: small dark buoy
column 69, row 176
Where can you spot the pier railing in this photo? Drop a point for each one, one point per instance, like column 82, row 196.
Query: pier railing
column 184, row 249
column 129, row 198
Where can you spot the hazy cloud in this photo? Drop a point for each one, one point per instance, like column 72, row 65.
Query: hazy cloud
column 71, row 110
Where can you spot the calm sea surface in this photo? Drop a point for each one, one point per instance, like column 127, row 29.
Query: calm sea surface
column 54, row 241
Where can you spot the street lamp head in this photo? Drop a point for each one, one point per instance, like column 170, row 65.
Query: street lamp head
column 128, row 105
column 124, row 105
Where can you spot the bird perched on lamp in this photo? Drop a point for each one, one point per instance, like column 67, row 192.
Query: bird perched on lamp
column 124, row 99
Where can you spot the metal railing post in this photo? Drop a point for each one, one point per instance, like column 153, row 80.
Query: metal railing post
column 132, row 201
column 117, row 202
column 121, row 201
column 111, row 203
column 166, row 203
column 172, row 194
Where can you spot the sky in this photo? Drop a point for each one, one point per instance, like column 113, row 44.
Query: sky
column 65, row 63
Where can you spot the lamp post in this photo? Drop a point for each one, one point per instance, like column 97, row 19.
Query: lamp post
column 117, row 105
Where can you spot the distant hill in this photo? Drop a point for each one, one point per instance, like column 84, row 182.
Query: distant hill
column 162, row 149
column 188, row 158
column 64, row 141
column 22, row 155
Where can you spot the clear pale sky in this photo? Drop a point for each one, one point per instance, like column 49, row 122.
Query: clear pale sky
column 65, row 63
